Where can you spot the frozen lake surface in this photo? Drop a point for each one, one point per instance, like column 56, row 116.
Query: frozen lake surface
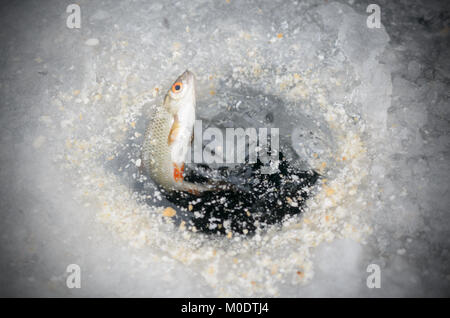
column 367, row 108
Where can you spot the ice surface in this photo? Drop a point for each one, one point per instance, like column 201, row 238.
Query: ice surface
column 373, row 101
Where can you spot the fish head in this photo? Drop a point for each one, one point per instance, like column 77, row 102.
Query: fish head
column 181, row 93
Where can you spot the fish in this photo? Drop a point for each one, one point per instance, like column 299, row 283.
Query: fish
column 168, row 137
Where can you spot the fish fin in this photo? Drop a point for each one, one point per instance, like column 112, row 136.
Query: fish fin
column 193, row 191
column 199, row 189
column 173, row 131
column 178, row 172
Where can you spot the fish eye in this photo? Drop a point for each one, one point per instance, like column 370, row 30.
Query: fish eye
column 176, row 87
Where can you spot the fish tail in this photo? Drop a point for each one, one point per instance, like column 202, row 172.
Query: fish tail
column 198, row 189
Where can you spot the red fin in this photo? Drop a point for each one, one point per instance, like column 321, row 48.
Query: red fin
column 178, row 172
column 193, row 191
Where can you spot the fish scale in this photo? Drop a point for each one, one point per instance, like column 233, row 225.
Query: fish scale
column 156, row 153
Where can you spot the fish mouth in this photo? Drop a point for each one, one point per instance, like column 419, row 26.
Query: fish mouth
column 188, row 77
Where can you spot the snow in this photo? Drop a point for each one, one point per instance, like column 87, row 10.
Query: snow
column 75, row 103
